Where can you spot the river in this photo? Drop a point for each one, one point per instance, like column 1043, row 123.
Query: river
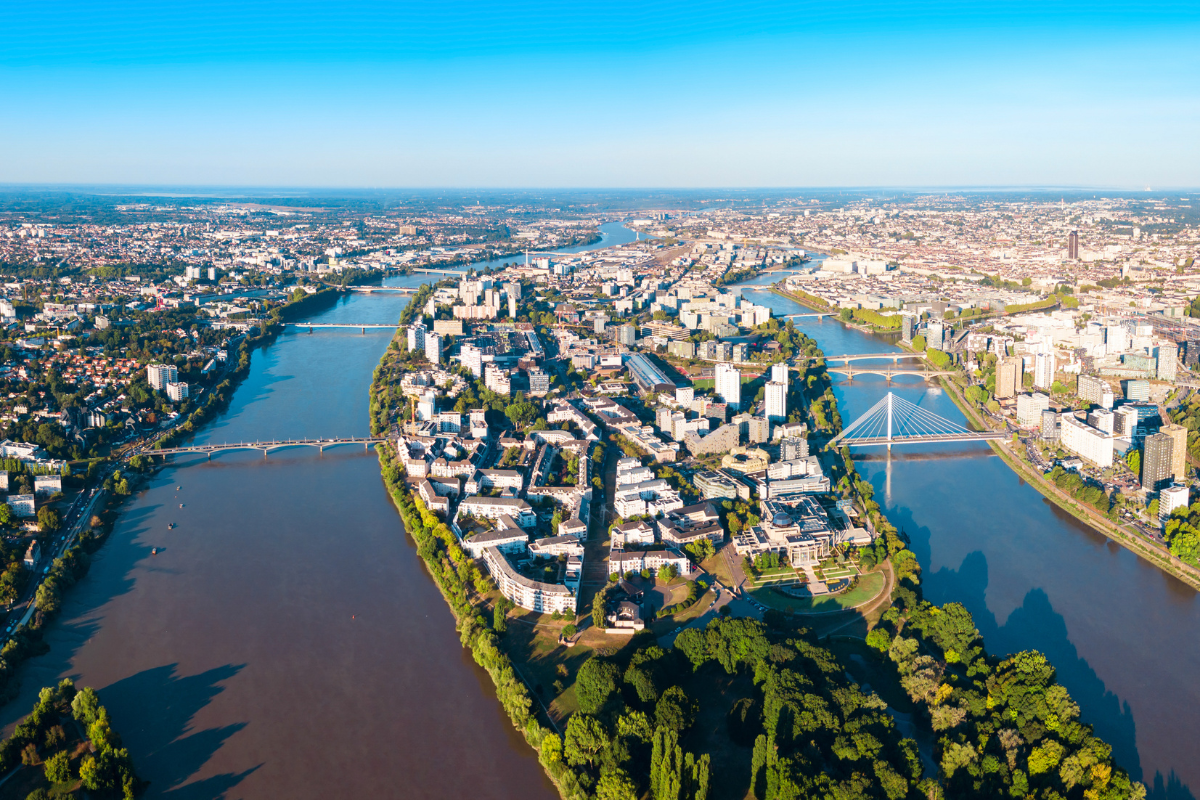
column 1118, row 630
column 286, row 641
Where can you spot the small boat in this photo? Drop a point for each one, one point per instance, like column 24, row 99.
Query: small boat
column 154, row 552
column 181, row 505
column 170, row 525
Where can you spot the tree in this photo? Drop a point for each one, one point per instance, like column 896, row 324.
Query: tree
column 615, row 784
column 675, row 710
column 499, row 617
column 6, row 514
column 48, row 520
column 596, row 681
column 86, row 706
column 585, row 738
column 58, row 768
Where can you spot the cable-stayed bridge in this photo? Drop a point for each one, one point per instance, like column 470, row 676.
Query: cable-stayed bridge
column 894, row 420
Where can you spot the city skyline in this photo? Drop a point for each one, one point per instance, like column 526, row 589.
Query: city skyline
column 762, row 95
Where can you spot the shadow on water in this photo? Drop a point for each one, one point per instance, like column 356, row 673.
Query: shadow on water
column 169, row 752
column 1036, row 622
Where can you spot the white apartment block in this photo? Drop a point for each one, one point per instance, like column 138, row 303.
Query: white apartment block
column 729, row 385
column 776, row 400
column 177, row 392
column 526, row 592
column 1030, row 408
column 1086, row 442
column 159, row 375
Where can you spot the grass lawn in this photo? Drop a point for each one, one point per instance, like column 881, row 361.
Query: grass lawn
column 718, row 568
column 869, row 586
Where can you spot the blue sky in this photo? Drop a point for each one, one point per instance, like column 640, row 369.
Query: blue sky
column 607, row 94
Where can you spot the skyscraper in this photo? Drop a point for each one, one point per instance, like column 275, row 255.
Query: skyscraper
column 908, row 327
column 1178, row 435
column 779, row 374
column 1043, row 370
column 416, row 337
column 1073, row 246
column 1156, row 461
column 1009, row 373
column 1168, row 353
column 729, row 385
column 433, row 348
column 627, row 335
column 776, row 401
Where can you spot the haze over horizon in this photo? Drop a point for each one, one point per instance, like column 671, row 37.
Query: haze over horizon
column 663, row 94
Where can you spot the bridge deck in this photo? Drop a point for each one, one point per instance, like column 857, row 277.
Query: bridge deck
column 266, row 446
column 973, row 436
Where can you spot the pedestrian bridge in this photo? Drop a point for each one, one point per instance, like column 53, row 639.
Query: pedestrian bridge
column 266, row 447
column 894, row 420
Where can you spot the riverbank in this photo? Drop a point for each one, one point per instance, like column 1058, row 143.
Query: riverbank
column 1160, row 558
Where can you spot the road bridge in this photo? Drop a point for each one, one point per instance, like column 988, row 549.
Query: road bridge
column 383, row 289
column 817, row 314
column 886, row 371
column 362, row 326
column 894, row 420
column 439, row 271
column 266, row 447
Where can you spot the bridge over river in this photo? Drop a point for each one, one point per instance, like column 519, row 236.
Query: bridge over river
column 266, row 447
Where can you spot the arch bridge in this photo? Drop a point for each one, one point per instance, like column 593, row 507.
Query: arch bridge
column 266, row 447
column 887, row 372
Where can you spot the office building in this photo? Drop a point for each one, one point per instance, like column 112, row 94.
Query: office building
column 729, row 385
column 1030, row 408
column 1178, row 434
column 539, row 382
column 1168, row 355
column 1089, row 389
column 1137, row 390
column 776, row 401
column 1086, row 442
column 1043, row 370
column 1116, row 339
column 908, row 327
column 1049, row 426
column 1101, row 419
column 1156, row 461
column 416, row 337
column 934, row 334
column 433, row 348
column 159, row 375
column 1172, row 499
column 1009, row 373
column 1073, row 246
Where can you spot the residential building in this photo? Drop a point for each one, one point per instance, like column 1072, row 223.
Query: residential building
column 1090, row 389
column 526, row 592
column 1171, row 499
column 496, row 507
column 177, row 392
column 1178, row 434
column 1009, row 374
column 776, row 396
column 159, row 375
column 22, row 505
column 433, row 347
column 779, row 373
column 416, row 337
column 1168, row 357
column 1043, row 370
column 1030, row 408
column 627, row 335
column 1087, row 442
column 46, row 485
column 729, row 385
column 1156, row 461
